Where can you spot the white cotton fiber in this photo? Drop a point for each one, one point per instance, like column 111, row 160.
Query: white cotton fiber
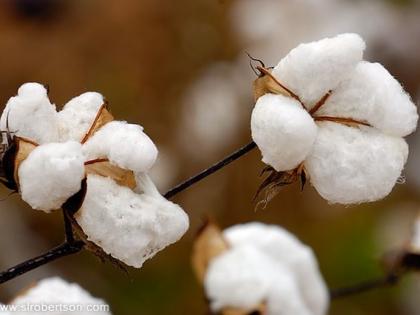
column 130, row 227
column 78, row 115
column 57, row 294
column 30, row 114
column 311, row 70
column 283, row 131
column 275, row 241
column 353, row 165
column 373, row 95
column 125, row 145
column 51, row 174
column 266, row 264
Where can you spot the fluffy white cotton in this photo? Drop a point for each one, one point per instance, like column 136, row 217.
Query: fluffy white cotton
column 56, row 292
column 353, row 165
column 266, row 264
column 125, row 145
column 373, row 95
column 283, row 131
column 30, row 114
column 141, row 224
column 51, row 174
column 78, row 115
column 311, row 70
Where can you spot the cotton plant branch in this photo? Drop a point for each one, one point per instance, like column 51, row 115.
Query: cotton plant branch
column 401, row 263
column 72, row 246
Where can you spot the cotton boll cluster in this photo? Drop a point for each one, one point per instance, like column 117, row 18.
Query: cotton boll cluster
column 58, row 294
column 359, row 112
column 125, row 145
column 283, row 130
column 113, row 157
column 266, row 264
column 141, row 224
column 51, row 174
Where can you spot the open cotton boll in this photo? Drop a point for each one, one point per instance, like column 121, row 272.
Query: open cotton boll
column 311, row 70
column 30, row 114
column 239, row 278
column 51, row 174
column 373, row 95
column 266, row 264
column 141, row 224
column 125, row 145
column 283, row 131
column 78, row 114
column 56, row 294
column 353, row 165
column 275, row 241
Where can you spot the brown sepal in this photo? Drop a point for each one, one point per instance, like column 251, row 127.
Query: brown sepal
column 208, row 244
column 104, row 168
column 102, row 118
column 273, row 183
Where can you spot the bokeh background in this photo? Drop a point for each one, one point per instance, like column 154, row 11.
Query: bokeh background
column 179, row 68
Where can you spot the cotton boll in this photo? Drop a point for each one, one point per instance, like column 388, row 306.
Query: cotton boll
column 275, row 241
column 30, row 114
column 311, row 70
column 51, row 174
column 238, row 279
column 141, row 224
column 78, row 115
column 372, row 94
column 56, row 293
column 353, row 165
column 125, row 145
column 283, row 131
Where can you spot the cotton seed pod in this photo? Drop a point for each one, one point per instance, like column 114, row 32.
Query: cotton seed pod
column 325, row 113
column 263, row 270
column 96, row 172
column 209, row 244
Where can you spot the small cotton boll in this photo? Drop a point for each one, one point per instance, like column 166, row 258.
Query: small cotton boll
column 283, row 131
column 141, row 224
column 373, row 95
column 78, row 115
column 275, row 241
column 51, row 174
column 311, row 70
column 352, row 165
column 30, row 114
column 57, row 293
column 125, row 145
column 238, row 279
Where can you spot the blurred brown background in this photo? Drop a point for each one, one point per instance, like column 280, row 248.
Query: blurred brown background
column 179, row 69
